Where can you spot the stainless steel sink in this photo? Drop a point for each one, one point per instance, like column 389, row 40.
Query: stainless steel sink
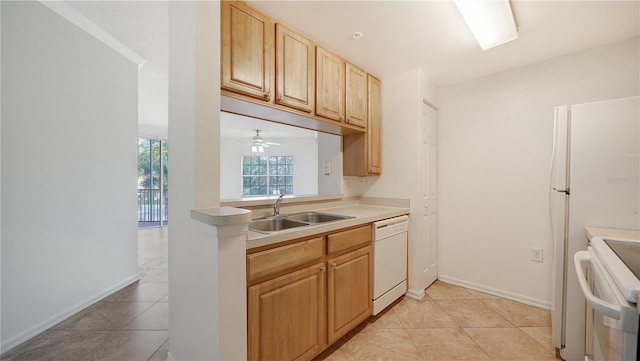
column 274, row 224
column 316, row 217
column 282, row 222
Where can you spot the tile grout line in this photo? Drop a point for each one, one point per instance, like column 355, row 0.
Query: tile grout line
column 519, row 327
column 477, row 344
column 540, row 343
column 404, row 328
column 159, row 347
column 463, row 330
column 141, row 313
column 414, row 344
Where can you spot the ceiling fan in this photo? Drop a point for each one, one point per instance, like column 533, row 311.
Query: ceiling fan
column 258, row 143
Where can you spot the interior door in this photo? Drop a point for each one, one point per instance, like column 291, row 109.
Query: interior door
column 429, row 217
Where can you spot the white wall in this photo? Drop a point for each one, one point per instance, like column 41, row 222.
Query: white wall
column 495, row 136
column 69, row 172
column 329, row 149
column 402, row 96
column 152, row 131
column 305, row 160
column 153, row 90
column 194, row 133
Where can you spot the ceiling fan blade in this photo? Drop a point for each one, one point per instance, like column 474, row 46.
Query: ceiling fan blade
column 258, row 141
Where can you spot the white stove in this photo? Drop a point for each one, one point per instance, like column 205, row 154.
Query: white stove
column 608, row 276
column 621, row 259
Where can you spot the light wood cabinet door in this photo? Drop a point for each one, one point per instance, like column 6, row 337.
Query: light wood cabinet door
column 374, row 154
column 356, row 96
column 354, row 153
column 247, row 59
column 286, row 316
column 295, row 69
column 362, row 153
column 329, row 85
column 348, row 291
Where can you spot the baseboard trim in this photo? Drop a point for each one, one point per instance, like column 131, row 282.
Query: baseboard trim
column 31, row 332
column 496, row 292
column 416, row 295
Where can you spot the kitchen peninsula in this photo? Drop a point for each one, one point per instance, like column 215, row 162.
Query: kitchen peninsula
column 352, row 239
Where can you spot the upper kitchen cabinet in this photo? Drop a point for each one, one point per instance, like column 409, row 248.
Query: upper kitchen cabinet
column 247, row 62
column 362, row 154
column 329, row 85
column 273, row 72
column 356, row 96
column 374, row 117
column 295, row 67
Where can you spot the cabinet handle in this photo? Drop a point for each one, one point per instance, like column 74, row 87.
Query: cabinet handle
column 341, row 117
column 268, row 95
column 281, row 98
column 323, row 268
column 333, row 265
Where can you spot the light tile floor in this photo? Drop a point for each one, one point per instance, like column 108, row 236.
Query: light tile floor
column 451, row 323
column 129, row 325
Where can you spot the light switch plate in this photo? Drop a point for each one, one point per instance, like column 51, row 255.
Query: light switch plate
column 327, row 167
column 536, row 254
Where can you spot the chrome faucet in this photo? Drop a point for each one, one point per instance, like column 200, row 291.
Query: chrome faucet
column 276, row 207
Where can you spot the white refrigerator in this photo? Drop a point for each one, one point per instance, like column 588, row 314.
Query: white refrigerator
column 594, row 178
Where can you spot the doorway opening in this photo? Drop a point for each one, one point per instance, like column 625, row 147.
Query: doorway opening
column 153, row 186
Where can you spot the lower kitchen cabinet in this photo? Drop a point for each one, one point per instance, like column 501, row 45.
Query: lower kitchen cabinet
column 349, row 290
column 305, row 295
column 287, row 316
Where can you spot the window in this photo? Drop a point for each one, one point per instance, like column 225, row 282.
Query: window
column 265, row 175
column 153, row 188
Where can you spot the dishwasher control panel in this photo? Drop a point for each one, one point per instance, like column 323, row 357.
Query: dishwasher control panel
column 389, row 227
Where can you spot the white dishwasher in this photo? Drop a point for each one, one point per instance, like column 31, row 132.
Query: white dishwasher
column 389, row 261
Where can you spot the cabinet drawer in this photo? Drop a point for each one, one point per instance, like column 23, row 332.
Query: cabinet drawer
column 273, row 261
column 348, row 239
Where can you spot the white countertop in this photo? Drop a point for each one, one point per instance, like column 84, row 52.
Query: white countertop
column 363, row 214
column 592, row 232
column 221, row 216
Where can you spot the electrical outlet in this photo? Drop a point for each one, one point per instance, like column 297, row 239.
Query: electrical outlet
column 536, row 254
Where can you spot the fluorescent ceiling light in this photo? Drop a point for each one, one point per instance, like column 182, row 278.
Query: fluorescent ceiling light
column 490, row 21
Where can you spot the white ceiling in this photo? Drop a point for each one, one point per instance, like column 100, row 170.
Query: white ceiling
column 404, row 35
column 398, row 36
